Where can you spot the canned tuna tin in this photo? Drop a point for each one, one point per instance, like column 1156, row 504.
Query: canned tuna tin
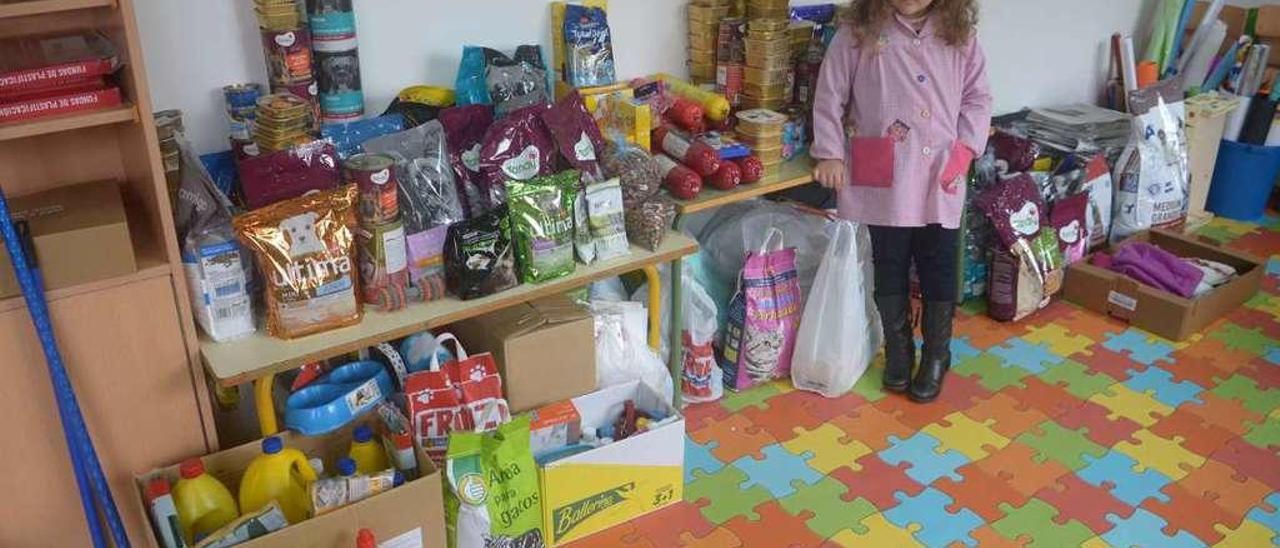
column 373, row 175
column 242, row 108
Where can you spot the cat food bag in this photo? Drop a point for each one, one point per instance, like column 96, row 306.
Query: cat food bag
column 1070, row 220
column 492, row 497
column 464, row 129
column 607, row 219
column 517, row 82
column 764, row 316
column 1097, row 183
column 515, row 148
column 306, row 250
column 577, row 136
column 428, row 198
column 276, row 176
column 1014, row 153
column 1153, row 175
column 478, row 257
column 588, row 47
column 542, row 225
column 1027, row 266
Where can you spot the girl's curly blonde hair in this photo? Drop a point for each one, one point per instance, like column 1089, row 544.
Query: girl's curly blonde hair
column 955, row 20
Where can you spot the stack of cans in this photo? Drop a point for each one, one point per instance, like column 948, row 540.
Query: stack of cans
column 769, row 73
column 242, row 107
column 283, row 120
column 704, row 32
column 380, row 238
column 778, row 10
column 762, row 130
column 731, row 58
column 337, row 60
column 288, row 48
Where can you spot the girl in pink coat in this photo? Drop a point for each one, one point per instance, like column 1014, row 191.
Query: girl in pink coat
column 902, row 108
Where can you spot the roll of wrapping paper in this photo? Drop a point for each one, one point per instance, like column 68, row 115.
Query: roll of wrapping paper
column 1201, row 34
column 1225, row 64
column 1179, row 39
column 1202, row 59
column 1258, row 121
column 1148, row 73
column 1129, row 64
column 1235, row 121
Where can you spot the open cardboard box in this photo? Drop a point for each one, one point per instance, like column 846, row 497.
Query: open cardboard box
column 616, row 483
column 1165, row 314
column 411, row 515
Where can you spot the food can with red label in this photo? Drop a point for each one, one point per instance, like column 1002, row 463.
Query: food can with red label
column 374, row 175
column 288, row 55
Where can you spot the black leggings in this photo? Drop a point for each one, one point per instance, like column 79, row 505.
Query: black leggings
column 933, row 249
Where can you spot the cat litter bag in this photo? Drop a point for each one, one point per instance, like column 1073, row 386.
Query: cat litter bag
column 492, row 497
column 763, row 317
column 1153, row 174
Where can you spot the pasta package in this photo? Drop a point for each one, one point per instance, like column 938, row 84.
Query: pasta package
column 306, row 250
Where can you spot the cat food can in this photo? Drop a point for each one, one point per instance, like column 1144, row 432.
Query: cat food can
column 308, row 91
column 331, row 19
column 288, row 54
column 374, row 176
column 384, row 265
column 337, row 65
column 242, row 107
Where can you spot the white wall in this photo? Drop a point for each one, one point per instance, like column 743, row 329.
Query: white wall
column 1038, row 53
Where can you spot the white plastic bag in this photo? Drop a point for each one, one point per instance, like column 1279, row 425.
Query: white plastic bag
column 701, row 380
column 837, row 338
column 622, row 350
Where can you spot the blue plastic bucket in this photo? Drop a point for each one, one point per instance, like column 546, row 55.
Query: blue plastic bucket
column 1242, row 180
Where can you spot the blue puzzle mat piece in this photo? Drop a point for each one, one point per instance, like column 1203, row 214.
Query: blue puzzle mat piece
column 699, row 457
column 1032, row 358
column 1140, row 349
column 961, row 350
column 1144, row 529
column 1273, row 356
column 1163, row 388
column 777, row 471
column 1273, row 267
column 938, row 527
column 927, row 465
column 1270, row 519
column 1129, row 486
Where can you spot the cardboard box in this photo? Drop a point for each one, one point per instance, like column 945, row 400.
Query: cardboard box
column 1159, row 312
column 412, row 514
column 545, row 350
column 81, row 235
column 609, row 485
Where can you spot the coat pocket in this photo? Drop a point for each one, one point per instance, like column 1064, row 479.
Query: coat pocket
column 872, row 162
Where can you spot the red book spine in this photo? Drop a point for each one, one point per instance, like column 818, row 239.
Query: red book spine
column 66, row 104
column 53, row 75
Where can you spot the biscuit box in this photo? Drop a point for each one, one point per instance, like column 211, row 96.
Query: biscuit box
column 598, row 489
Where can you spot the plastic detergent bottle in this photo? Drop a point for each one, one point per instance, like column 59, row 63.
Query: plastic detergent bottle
column 369, row 455
column 204, row 503
column 280, row 474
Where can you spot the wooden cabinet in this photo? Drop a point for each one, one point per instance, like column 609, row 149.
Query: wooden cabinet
column 129, row 343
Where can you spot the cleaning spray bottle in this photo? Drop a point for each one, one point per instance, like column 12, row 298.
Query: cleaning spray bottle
column 369, row 455
column 204, row 503
column 280, row 474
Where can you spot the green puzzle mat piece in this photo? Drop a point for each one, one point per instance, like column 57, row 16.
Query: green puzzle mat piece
column 757, row 396
column 831, row 513
column 724, row 494
column 1265, row 435
column 1077, row 379
column 1035, row 521
column 870, row 385
column 991, row 372
column 1067, row 447
column 1236, row 337
column 1242, row 388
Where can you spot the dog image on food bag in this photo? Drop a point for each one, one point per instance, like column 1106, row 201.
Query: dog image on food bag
column 301, row 233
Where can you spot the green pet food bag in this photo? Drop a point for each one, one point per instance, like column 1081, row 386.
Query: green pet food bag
column 542, row 224
column 491, row 489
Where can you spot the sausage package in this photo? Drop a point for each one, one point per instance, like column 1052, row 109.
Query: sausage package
column 306, row 250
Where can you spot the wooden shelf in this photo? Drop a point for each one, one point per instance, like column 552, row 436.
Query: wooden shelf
column 790, row 174
column 244, row 360
column 125, row 113
column 23, row 8
column 151, row 261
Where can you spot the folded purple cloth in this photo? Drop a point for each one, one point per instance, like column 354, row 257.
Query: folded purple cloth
column 1157, row 268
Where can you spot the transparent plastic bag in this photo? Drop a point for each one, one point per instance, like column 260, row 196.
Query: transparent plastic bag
column 836, row 341
column 622, row 353
column 702, row 380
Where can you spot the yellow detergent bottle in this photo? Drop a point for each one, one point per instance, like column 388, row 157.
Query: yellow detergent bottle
column 369, row 455
column 280, row 474
column 204, row 503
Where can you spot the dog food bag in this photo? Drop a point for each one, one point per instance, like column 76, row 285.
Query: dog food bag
column 1026, row 267
column 1014, row 153
column 1153, row 174
column 517, row 82
column 607, row 219
column 516, row 148
column 306, row 250
column 470, row 84
column 1015, row 209
column 492, row 496
column 577, row 136
column 464, row 129
column 478, row 257
column 589, row 47
column 542, row 225
column 639, row 173
column 1070, row 219
column 276, row 176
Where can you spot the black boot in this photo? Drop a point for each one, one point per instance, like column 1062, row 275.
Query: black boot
column 935, row 358
column 899, row 343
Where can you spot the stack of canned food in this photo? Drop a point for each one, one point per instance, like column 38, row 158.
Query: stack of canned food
column 768, row 74
column 778, row 10
column 762, row 130
column 704, row 33
column 287, row 46
column 283, row 120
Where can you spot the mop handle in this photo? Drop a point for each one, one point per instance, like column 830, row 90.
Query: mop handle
column 84, row 457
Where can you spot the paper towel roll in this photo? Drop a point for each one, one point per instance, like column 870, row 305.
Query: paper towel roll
column 1235, row 121
column 1202, row 58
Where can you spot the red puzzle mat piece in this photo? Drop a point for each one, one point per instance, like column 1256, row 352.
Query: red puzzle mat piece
column 666, row 526
column 719, row 538
column 1200, row 437
column 1011, row 416
column 1224, row 358
column 1226, row 487
column 984, row 333
column 1050, row 399
column 1052, row 314
column 624, row 534
column 735, row 436
column 1227, row 414
column 1204, row 372
column 1082, row 502
column 913, row 414
column 785, row 413
column 1096, row 327
column 877, row 481
column 1114, row 364
column 1190, row 513
column 986, row 537
column 1101, row 430
column 1015, row 464
column 962, row 393
column 1263, row 243
column 871, row 426
column 700, row 415
column 1249, row 318
column 775, row 528
column 980, row 492
column 1251, row 461
column 1263, row 372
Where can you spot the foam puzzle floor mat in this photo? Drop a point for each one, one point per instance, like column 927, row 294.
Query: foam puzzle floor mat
column 1068, row 429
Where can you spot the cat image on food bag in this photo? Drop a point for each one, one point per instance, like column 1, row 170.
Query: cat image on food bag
column 301, row 231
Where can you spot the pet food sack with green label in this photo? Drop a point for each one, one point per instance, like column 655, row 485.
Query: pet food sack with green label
column 491, row 489
column 542, row 225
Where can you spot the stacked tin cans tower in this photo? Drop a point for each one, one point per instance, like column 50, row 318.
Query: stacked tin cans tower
column 337, row 59
column 287, row 45
column 768, row 74
column 704, row 33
